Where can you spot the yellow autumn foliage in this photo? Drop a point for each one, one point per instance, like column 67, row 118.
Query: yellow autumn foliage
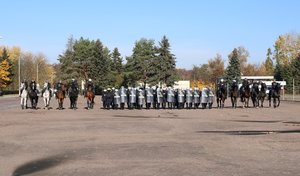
column 4, row 73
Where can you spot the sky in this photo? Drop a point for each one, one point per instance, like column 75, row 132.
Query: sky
column 197, row 29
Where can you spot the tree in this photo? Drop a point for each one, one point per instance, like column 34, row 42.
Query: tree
column 286, row 50
column 14, row 55
column 117, row 61
column 201, row 73
column 233, row 71
column 216, row 68
column 167, row 67
column 68, row 68
column 269, row 63
column 138, row 65
column 295, row 71
column 5, row 69
column 183, row 74
column 101, row 66
column 242, row 54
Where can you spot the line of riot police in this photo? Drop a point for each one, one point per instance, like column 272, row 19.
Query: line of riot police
column 157, row 98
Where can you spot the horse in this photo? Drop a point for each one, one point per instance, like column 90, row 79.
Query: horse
column 262, row 94
column 33, row 95
column 254, row 95
column 221, row 95
column 275, row 94
column 234, row 94
column 24, row 95
column 47, row 95
column 60, row 96
column 245, row 95
column 73, row 95
column 90, row 97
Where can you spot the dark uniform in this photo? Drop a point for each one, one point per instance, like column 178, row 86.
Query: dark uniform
column 59, row 87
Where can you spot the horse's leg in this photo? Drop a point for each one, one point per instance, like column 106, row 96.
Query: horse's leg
column 22, row 103
column 235, row 102
column 274, row 102
column 223, row 103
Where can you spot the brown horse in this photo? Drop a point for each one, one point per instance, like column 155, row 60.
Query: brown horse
column 60, row 96
column 90, row 97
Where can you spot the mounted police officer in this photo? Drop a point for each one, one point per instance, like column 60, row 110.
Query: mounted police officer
column 90, row 83
column 24, row 85
column 74, row 84
column 59, row 86
column 47, row 85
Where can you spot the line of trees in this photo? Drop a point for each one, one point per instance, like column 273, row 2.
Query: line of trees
column 283, row 61
column 89, row 59
column 149, row 63
column 9, row 67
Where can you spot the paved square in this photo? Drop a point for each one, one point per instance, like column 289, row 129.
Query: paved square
column 97, row 142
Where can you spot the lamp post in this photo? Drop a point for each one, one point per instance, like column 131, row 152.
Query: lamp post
column 19, row 73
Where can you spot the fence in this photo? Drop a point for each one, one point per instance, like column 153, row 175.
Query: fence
column 294, row 95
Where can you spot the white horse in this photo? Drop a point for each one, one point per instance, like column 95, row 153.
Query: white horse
column 24, row 96
column 47, row 96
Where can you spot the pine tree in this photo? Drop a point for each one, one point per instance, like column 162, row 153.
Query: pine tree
column 116, row 61
column 269, row 63
column 167, row 67
column 68, row 67
column 233, row 71
column 138, row 65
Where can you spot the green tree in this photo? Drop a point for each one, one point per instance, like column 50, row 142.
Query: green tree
column 68, row 69
column 138, row 64
column 117, row 61
column 269, row 63
column 233, row 70
column 100, row 66
column 295, row 71
column 167, row 67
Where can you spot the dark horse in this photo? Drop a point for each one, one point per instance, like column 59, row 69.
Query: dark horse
column 245, row 95
column 60, row 96
column 254, row 94
column 73, row 95
column 221, row 95
column 33, row 95
column 234, row 92
column 275, row 94
column 90, row 97
column 262, row 87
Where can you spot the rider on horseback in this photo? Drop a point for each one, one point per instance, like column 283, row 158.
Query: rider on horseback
column 233, row 85
column 25, row 86
column 33, row 86
column 74, row 84
column 245, row 83
column 59, row 87
column 47, row 85
column 222, row 85
column 90, row 83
